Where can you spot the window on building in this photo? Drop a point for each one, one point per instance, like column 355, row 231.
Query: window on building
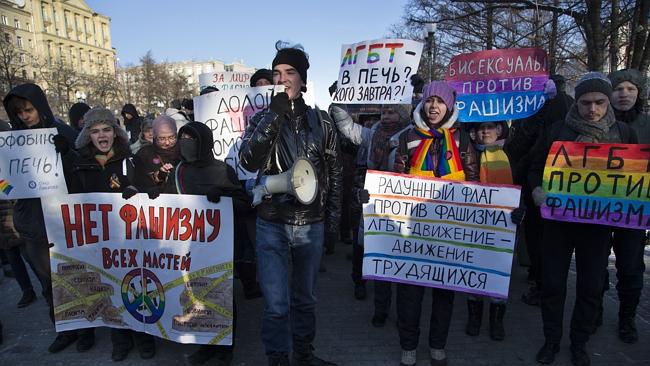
column 56, row 23
column 29, row 27
column 5, row 21
column 19, row 42
column 24, row 73
column 7, row 37
column 45, row 17
column 31, row 43
column 17, row 23
column 61, row 53
column 95, row 34
column 76, row 26
column 22, row 58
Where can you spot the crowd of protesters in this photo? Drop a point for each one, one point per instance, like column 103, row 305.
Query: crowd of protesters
column 172, row 154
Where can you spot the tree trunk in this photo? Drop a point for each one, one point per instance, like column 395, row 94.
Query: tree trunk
column 489, row 44
column 594, row 36
column 552, row 43
column 614, row 44
column 639, row 33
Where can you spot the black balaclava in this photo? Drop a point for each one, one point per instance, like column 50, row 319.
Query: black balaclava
column 189, row 149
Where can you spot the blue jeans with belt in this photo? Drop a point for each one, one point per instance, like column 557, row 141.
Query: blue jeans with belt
column 289, row 294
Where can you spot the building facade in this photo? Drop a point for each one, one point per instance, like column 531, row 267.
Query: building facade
column 51, row 32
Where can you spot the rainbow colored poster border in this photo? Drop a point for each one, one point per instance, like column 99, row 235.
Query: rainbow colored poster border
column 607, row 184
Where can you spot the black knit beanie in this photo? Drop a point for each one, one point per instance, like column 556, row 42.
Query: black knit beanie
column 294, row 57
column 262, row 74
column 593, row 82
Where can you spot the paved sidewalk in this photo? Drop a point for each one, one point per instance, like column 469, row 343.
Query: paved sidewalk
column 345, row 334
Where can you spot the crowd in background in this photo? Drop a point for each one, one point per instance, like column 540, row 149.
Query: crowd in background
column 172, row 153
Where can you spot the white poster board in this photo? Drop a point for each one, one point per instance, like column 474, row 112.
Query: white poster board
column 227, row 113
column 377, row 72
column 439, row 233
column 163, row 266
column 30, row 167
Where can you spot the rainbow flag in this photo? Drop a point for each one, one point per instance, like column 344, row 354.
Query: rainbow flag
column 607, row 184
column 449, row 164
column 5, row 187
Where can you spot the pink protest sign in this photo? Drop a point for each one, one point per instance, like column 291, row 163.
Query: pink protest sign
column 497, row 85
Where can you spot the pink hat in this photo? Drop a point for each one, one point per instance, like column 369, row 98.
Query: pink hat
column 441, row 90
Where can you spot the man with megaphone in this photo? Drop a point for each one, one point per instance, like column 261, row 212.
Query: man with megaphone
column 296, row 210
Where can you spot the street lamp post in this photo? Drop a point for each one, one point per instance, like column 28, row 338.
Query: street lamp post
column 429, row 32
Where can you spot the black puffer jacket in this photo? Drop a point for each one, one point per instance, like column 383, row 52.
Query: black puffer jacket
column 207, row 173
column 89, row 176
column 28, row 214
column 133, row 125
column 287, row 138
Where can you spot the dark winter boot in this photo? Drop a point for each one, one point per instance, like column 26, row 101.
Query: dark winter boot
column 626, row 312
column 278, row 359
column 497, row 332
column 303, row 355
column 474, row 317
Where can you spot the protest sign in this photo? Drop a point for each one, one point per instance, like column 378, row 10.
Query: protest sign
column 496, row 85
column 439, row 233
column 225, row 80
column 606, row 184
column 377, row 71
column 30, row 167
column 227, row 113
column 163, row 266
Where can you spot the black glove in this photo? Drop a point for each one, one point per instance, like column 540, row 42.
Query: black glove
column 129, row 192
column 517, row 215
column 280, row 104
column 214, row 195
column 153, row 193
column 61, row 144
column 364, row 196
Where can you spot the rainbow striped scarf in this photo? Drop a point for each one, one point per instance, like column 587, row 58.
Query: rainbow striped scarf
column 495, row 166
column 449, row 165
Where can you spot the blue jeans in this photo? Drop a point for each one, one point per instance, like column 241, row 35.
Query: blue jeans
column 289, row 303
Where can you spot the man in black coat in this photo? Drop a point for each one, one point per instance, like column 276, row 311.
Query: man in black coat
column 27, row 108
column 590, row 119
column 273, row 141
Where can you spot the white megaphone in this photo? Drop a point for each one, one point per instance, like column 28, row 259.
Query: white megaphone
column 300, row 181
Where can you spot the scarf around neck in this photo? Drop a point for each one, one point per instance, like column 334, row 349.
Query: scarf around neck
column 448, row 165
column 589, row 131
column 495, row 165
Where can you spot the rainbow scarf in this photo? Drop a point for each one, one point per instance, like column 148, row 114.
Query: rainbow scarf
column 449, row 165
column 495, row 166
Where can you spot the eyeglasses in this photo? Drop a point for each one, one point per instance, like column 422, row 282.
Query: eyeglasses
column 161, row 139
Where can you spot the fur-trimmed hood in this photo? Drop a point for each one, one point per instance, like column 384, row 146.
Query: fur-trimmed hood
column 95, row 116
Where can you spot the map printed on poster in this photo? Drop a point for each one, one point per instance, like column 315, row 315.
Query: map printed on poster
column 30, row 167
column 377, row 71
column 225, row 80
column 439, row 233
column 227, row 113
column 607, row 184
column 496, row 85
column 163, row 266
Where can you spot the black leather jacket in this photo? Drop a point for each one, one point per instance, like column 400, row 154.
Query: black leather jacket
column 298, row 134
